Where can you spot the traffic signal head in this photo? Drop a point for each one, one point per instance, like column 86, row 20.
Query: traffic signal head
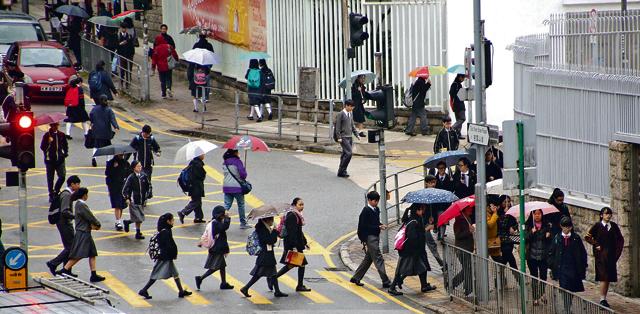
column 20, row 133
column 384, row 114
column 356, row 24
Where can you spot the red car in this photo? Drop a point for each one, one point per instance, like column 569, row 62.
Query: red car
column 47, row 67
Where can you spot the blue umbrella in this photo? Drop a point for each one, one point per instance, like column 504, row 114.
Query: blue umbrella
column 449, row 157
column 459, row 69
column 430, row 196
column 254, row 55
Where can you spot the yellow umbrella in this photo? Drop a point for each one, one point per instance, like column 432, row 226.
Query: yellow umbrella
column 428, row 70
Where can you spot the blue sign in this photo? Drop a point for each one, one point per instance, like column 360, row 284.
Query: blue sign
column 15, row 258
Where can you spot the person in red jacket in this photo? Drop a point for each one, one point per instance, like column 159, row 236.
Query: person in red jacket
column 74, row 102
column 161, row 59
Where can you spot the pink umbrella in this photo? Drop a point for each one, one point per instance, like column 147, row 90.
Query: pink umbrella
column 48, row 118
column 531, row 206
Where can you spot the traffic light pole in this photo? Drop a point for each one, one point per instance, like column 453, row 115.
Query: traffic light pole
column 383, row 191
column 346, row 43
column 22, row 204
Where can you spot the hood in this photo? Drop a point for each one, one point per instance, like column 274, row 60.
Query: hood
column 55, row 74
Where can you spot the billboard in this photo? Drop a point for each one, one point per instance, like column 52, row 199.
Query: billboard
column 238, row 22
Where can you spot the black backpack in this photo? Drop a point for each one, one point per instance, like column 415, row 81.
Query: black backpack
column 184, row 179
column 269, row 81
column 54, row 210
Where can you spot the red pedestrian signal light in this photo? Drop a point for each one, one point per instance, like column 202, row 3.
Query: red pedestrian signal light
column 25, row 121
column 23, row 141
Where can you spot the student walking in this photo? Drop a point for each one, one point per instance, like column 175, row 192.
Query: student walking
column 217, row 227
column 116, row 172
column 464, row 180
column 55, row 149
column 83, row 245
column 137, row 189
column 294, row 240
column 608, row 243
column 164, row 267
column 268, row 84
column 266, row 260
column 102, row 120
column 64, row 225
column 197, row 176
column 538, row 239
column 126, row 50
column 100, row 83
column 369, row 227
column 254, row 79
column 447, row 138
column 568, row 261
column 457, row 105
column 429, row 219
column 507, row 226
column 463, row 231
column 198, row 85
column 74, row 102
column 419, row 91
column 146, row 147
column 360, row 96
column 234, row 172
column 345, row 129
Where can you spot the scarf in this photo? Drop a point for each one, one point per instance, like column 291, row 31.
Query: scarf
column 299, row 214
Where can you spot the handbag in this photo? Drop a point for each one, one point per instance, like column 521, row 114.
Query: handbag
column 244, row 184
column 294, row 258
column 171, row 62
column 89, row 139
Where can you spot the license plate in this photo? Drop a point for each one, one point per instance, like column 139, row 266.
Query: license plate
column 51, row 88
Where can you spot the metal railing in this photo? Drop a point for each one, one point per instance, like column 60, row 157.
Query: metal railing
column 510, row 290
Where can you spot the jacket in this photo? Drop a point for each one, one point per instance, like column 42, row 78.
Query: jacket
column 446, row 139
column 126, row 47
column 66, row 210
column 198, row 174
column 455, row 102
column 368, row 223
column 538, row 245
column 359, row 97
column 419, row 92
column 137, row 188
column 459, row 188
column 445, row 183
column 416, row 239
column 492, row 170
column 102, row 119
column 116, row 172
column 84, row 217
column 295, row 238
column 233, row 165
column 492, row 233
column 168, row 247
column 463, row 234
column 160, row 55
column 55, row 151
column 219, row 232
column 144, row 149
column 162, row 39
column 255, row 96
column 344, row 125
column 569, row 264
column 107, row 86
column 266, row 238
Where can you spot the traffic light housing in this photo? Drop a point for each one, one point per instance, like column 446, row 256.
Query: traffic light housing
column 384, row 114
column 356, row 24
column 20, row 133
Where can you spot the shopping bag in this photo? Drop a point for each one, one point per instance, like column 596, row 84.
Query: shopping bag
column 294, row 258
column 115, row 62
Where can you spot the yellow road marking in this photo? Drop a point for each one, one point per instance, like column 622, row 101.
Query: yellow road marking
column 195, row 298
column 43, row 274
column 125, row 125
column 132, row 120
column 123, row 290
column 344, row 283
column 171, row 118
column 312, row 295
column 43, row 128
column 327, row 258
column 388, row 296
column 256, row 298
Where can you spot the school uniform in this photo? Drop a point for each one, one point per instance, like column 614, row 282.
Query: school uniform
column 137, row 190
column 164, row 267
column 609, row 238
column 266, row 260
column 295, row 238
column 215, row 257
column 83, row 245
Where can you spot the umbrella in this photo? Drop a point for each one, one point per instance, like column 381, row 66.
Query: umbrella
column 449, row 157
column 104, row 21
column 270, row 210
column 430, row 196
column 455, row 209
column 200, row 56
column 368, row 77
column 129, row 13
column 49, row 118
column 72, row 10
column 194, row 30
column 114, row 150
column 459, row 69
column 428, row 70
column 532, row 206
column 255, row 55
column 245, row 142
column 192, row 150
column 495, row 187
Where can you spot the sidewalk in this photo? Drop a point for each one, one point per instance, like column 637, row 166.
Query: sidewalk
column 351, row 254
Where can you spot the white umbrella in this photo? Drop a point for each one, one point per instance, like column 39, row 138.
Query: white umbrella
column 368, row 77
column 200, row 56
column 495, row 187
column 192, row 150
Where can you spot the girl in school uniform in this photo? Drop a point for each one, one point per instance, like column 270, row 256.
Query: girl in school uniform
column 218, row 252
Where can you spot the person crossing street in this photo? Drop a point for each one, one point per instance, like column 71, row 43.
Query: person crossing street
column 137, row 189
column 64, row 225
column 116, row 172
column 55, row 149
column 197, row 176
column 146, row 147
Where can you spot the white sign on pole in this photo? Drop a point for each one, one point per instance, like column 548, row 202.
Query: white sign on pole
column 478, row 134
column 510, row 179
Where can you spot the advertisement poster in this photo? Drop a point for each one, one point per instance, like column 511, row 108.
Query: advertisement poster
column 238, row 22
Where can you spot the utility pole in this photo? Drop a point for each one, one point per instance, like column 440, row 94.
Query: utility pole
column 482, row 278
column 382, row 165
column 346, row 44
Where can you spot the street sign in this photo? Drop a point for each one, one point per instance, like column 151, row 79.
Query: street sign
column 478, row 134
column 15, row 269
column 510, row 147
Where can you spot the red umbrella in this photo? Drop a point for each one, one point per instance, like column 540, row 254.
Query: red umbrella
column 48, row 118
column 455, row 209
column 123, row 15
column 246, row 142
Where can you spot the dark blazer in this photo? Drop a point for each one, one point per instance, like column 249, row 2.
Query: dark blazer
column 116, row 175
column 493, row 170
column 444, row 139
column 569, row 264
column 456, row 103
column 463, row 235
column 219, row 229
column 168, row 247
column 144, row 149
column 107, row 86
column 295, row 238
column 198, row 174
column 419, row 92
column 126, row 49
column 368, row 223
column 66, row 210
column 416, row 240
column 56, row 151
column 445, row 184
column 137, row 188
column 102, row 119
column 266, row 237
column 459, row 188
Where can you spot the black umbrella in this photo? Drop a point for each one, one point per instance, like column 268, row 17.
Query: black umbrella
column 72, row 10
column 114, row 150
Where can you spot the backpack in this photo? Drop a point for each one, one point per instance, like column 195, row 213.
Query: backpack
column 95, row 82
column 401, row 237
column 269, row 80
column 200, row 78
column 184, row 179
column 281, row 227
column 408, row 99
column 207, row 240
column 54, row 210
column 253, row 244
column 154, row 247
column 253, row 78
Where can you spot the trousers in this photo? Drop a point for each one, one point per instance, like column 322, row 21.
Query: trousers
column 194, row 205
column 66, row 235
column 347, row 152
column 372, row 256
column 52, row 169
column 417, row 112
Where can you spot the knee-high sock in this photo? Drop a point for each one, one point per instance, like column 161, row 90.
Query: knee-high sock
column 195, row 104
column 282, row 271
column 178, row 284
column 148, row 285
column 207, row 274
column 223, row 275
column 300, row 276
column 85, row 127
column 268, row 106
column 68, row 127
column 276, row 287
column 423, row 279
column 251, row 282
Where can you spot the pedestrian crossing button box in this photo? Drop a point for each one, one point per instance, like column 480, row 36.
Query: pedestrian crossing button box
column 373, row 136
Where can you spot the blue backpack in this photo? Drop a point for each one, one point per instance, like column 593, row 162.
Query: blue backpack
column 253, row 244
column 253, row 78
column 184, row 179
column 95, row 82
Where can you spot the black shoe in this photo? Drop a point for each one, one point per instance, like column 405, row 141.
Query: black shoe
column 302, row 289
column 279, row 294
column 52, row 268
column 461, row 137
column 94, row 163
column 362, row 134
column 96, row 278
column 250, row 118
column 386, row 286
column 139, row 236
column 119, row 226
column 62, row 271
column 72, row 274
column 259, row 120
column 356, row 282
column 198, row 282
column 68, row 137
column 428, row 287
column 199, row 221
column 50, row 198
column 144, row 294
column 126, row 223
column 195, row 110
column 225, row 286
column 605, row 303
column 184, row 293
column 271, row 116
column 181, row 216
column 410, row 133
column 393, row 291
column 343, row 175
column 245, row 292
column 424, row 134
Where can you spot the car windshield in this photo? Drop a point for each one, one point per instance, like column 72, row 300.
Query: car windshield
column 10, row 33
column 44, row 57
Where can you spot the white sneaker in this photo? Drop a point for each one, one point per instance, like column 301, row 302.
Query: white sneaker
column 170, row 93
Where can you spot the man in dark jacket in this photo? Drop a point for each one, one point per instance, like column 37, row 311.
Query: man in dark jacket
column 64, row 225
column 197, row 176
column 493, row 171
column 102, row 120
column 104, row 83
column 369, row 227
column 146, row 146
column 419, row 91
column 55, row 149
column 447, row 138
column 126, row 50
column 457, row 104
column 464, row 180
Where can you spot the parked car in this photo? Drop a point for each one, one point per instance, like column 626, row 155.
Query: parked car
column 15, row 26
column 47, row 67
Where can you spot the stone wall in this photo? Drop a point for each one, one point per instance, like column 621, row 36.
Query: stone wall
column 154, row 20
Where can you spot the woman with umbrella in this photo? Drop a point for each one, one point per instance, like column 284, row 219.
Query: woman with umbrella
column 234, row 173
column 74, row 101
column 266, row 260
column 360, row 97
column 294, row 240
column 116, row 172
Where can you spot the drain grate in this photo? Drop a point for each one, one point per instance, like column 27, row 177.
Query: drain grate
column 336, row 269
